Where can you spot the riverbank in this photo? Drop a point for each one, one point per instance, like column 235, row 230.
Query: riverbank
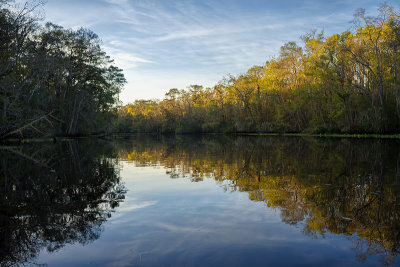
column 116, row 135
column 386, row 136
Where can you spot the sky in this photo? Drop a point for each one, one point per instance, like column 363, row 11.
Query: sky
column 163, row 44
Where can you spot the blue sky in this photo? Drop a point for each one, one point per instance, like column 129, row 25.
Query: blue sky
column 173, row 44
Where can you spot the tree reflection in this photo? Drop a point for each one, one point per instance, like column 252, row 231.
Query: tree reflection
column 54, row 195
column 345, row 187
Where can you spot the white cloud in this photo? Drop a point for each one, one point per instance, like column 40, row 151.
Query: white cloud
column 158, row 43
column 125, row 59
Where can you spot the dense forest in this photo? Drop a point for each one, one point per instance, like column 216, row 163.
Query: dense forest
column 53, row 81
column 343, row 83
column 60, row 82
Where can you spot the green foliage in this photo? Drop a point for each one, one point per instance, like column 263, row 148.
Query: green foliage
column 188, row 125
column 53, row 81
column 344, row 83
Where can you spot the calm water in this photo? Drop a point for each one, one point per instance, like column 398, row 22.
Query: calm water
column 201, row 201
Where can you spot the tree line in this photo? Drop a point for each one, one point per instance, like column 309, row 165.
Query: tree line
column 343, row 83
column 53, row 81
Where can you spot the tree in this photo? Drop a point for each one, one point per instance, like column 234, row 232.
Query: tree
column 53, row 81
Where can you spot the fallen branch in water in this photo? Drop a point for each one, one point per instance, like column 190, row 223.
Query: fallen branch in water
column 29, row 125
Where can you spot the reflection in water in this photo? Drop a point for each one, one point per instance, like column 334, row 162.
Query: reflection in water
column 345, row 187
column 53, row 195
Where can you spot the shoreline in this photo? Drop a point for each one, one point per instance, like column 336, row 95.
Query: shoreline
column 375, row 136
column 116, row 135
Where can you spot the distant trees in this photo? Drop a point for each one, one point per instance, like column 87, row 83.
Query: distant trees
column 346, row 82
column 53, row 81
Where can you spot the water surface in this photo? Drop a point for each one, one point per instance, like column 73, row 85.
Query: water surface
column 201, row 201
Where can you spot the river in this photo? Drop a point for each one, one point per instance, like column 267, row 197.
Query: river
column 201, row 201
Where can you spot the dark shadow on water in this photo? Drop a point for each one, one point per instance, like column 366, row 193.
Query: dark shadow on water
column 53, row 195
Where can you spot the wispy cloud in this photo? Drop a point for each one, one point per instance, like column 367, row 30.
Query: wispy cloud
column 124, row 59
column 219, row 31
column 159, row 42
